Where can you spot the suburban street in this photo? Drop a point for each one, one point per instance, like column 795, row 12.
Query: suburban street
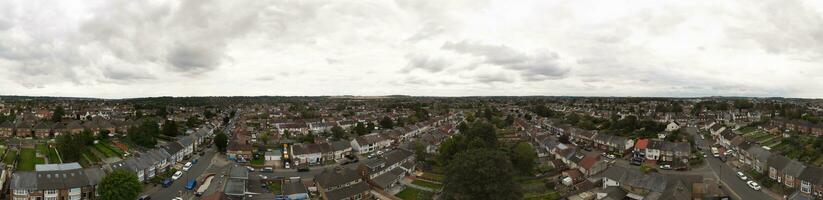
column 731, row 183
column 177, row 188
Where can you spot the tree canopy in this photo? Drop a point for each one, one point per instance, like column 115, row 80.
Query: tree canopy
column 386, row 123
column 221, row 140
column 481, row 174
column 145, row 134
column 170, row 128
column 119, row 184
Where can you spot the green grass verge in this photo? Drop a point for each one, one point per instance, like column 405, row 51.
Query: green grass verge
column 414, row 194
column 433, row 186
column 27, row 160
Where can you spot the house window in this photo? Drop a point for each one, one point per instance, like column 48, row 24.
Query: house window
column 19, row 198
column 51, row 192
column 21, row 192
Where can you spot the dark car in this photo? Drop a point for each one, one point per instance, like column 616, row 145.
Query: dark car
column 144, row 197
column 636, row 161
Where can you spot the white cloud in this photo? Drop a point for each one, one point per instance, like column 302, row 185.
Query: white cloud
column 619, row 48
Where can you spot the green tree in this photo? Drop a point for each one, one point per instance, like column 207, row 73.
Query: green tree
column 119, row 184
column 522, row 157
column 145, row 134
column 264, row 136
column 483, row 131
column 170, row 128
column 193, row 122
column 481, row 174
column 360, row 129
column 338, row 133
column 221, row 141
column 386, row 123
column 420, row 151
column 58, row 113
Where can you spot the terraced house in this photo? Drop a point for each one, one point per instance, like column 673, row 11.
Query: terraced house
column 56, row 182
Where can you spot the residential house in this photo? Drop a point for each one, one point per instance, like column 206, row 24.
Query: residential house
column 295, row 190
column 341, row 183
column 56, row 181
column 776, row 165
column 24, row 129
column 811, row 181
column 340, row 149
column 369, row 143
column 592, row 164
column 42, row 130
column 791, row 173
column 672, row 126
column 6, row 129
column 757, row 157
column 310, row 153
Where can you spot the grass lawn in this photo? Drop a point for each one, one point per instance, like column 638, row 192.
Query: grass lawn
column 105, row 150
column 115, row 149
column 747, row 129
column 10, row 156
column 434, row 186
column 53, row 158
column 275, row 187
column 27, row 160
column 432, row 176
column 551, row 195
column 414, row 194
column 257, row 162
column 42, row 148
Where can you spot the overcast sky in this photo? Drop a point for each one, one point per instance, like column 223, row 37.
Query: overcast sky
column 127, row 48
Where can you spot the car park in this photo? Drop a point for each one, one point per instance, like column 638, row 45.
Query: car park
column 753, row 185
column 176, row 175
column 742, row 176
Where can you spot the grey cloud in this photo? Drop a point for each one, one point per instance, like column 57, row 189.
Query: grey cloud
column 125, row 74
column 265, row 78
column 541, row 65
column 493, row 78
column 782, row 27
column 189, row 58
column 425, row 62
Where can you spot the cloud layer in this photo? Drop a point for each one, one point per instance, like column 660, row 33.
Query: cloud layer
column 120, row 48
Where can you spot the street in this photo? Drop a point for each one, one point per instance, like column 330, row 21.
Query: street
column 731, row 183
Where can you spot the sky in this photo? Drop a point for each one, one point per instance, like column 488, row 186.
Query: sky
column 126, row 48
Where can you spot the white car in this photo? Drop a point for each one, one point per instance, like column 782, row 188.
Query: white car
column 666, row 167
column 742, row 176
column 178, row 198
column 287, row 165
column 187, row 166
column 263, row 177
column 176, row 175
column 753, row 185
column 610, row 156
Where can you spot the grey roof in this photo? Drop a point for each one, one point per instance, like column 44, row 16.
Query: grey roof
column 23, row 180
column 386, row 179
column 291, row 187
column 239, row 172
column 56, row 179
column 812, row 174
column 57, row 167
column 334, row 177
column 235, row 187
column 274, row 153
column 340, row 145
column 652, row 182
column 794, row 168
column 347, row 192
column 759, row 153
column 397, row 155
column 173, row 147
column 186, row 141
column 778, row 162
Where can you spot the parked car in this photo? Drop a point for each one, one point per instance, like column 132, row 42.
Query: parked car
column 610, row 156
column 666, row 167
column 287, row 165
column 753, row 185
column 187, row 166
column 167, row 182
column 144, row 197
column 636, row 161
column 267, row 169
column 251, row 169
column 742, row 176
column 176, row 175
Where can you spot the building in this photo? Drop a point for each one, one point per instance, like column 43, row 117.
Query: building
column 56, row 181
column 341, row 184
